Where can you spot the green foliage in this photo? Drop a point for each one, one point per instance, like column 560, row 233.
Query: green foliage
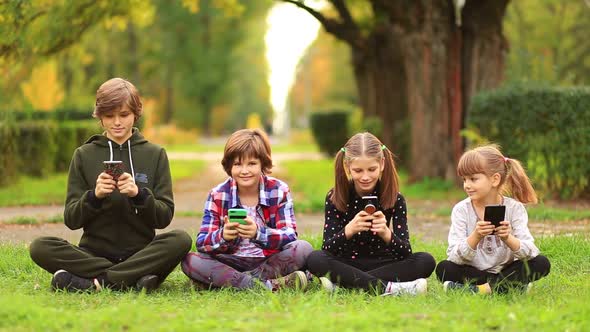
column 26, row 303
column 547, row 129
column 70, row 135
column 548, row 41
column 330, row 130
column 52, row 189
column 36, row 148
column 8, row 148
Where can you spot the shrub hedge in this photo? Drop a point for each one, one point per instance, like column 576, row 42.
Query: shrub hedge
column 39, row 148
column 547, row 129
column 330, row 130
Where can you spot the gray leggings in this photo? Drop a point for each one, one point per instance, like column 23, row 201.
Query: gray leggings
column 241, row 272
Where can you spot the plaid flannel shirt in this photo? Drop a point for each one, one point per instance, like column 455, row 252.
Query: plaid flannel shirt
column 275, row 208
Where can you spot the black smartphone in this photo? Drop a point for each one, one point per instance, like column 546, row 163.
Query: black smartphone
column 370, row 203
column 495, row 214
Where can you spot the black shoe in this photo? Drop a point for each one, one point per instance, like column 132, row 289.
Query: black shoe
column 63, row 279
column 149, row 282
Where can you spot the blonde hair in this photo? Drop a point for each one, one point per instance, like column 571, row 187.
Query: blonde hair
column 247, row 143
column 364, row 144
column 489, row 160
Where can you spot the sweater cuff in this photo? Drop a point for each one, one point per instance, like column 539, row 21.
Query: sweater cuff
column 139, row 199
column 94, row 201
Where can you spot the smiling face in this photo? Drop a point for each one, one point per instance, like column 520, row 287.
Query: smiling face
column 118, row 124
column 482, row 188
column 365, row 173
column 246, row 172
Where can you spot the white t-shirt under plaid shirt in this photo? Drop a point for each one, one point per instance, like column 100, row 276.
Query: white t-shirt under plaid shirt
column 247, row 248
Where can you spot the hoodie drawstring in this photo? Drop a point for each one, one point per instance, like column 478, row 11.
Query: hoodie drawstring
column 111, row 150
column 131, row 161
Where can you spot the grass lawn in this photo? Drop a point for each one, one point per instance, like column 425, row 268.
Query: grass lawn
column 556, row 303
column 310, row 181
column 52, row 189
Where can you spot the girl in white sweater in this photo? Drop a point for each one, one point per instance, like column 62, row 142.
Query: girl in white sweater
column 481, row 256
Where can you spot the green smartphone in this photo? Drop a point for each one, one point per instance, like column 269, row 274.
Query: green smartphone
column 237, row 215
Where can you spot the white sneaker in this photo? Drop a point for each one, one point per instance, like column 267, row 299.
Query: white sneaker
column 327, row 285
column 415, row 287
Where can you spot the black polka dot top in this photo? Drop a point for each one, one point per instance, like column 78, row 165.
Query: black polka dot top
column 365, row 244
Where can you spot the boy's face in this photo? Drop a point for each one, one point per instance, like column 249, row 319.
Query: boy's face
column 118, row 124
column 246, row 172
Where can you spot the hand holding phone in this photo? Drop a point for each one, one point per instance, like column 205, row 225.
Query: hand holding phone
column 113, row 168
column 238, row 215
column 495, row 214
column 370, row 204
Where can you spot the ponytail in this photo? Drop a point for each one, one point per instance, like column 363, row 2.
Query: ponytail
column 389, row 187
column 519, row 183
column 341, row 190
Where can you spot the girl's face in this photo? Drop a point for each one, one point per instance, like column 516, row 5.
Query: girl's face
column 365, row 173
column 118, row 124
column 481, row 188
column 246, row 172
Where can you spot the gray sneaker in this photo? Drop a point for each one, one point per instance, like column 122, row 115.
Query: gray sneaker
column 415, row 287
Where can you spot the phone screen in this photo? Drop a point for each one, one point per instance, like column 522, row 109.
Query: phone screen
column 495, row 214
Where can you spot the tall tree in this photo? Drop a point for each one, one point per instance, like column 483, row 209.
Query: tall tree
column 421, row 60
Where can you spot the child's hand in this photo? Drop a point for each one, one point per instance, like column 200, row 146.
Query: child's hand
column 249, row 230
column 379, row 226
column 360, row 222
column 484, row 228
column 230, row 231
column 104, row 185
column 127, row 186
column 504, row 230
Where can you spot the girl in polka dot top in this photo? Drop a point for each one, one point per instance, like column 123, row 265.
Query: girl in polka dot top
column 368, row 250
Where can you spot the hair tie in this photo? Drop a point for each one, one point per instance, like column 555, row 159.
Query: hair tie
column 506, row 159
column 343, row 150
column 383, row 147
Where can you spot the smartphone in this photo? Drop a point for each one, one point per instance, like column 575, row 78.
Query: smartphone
column 495, row 214
column 237, row 215
column 370, row 204
column 113, row 168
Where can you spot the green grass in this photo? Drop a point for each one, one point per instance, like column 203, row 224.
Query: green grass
column 310, row 181
column 556, row 303
column 52, row 189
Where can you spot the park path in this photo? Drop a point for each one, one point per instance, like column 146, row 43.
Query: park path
column 189, row 195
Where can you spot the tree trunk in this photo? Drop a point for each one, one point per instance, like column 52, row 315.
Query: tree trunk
column 420, row 66
column 380, row 81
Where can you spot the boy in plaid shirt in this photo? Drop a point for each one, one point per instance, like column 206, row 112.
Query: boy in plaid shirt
column 265, row 246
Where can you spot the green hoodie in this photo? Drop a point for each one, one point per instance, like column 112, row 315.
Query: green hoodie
column 116, row 227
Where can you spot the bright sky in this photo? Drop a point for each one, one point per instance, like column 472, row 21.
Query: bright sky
column 290, row 31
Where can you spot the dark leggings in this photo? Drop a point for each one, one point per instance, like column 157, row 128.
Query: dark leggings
column 370, row 273
column 514, row 274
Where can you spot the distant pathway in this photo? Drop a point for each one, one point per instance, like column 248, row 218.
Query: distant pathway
column 189, row 195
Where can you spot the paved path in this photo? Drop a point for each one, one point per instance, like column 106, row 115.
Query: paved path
column 189, row 195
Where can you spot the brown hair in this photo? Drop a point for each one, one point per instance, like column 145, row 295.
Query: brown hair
column 115, row 93
column 364, row 144
column 245, row 143
column 489, row 160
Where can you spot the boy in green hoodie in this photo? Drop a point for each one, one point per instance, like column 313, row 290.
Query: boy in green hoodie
column 118, row 212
